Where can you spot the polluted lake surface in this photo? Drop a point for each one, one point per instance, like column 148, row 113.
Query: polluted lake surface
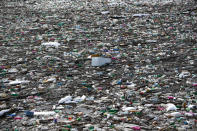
column 98, row 65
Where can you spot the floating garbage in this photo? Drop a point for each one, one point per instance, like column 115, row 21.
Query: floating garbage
column 105, row 12
column 175, row 114
column 137, row 128
column 69, row 99
column 100, row 61
column 171, row 107
column 16, row 82
column 79, row 99
column 66, row 99
column 2, row 112
column 51, row 44
column 54, row 57
column 140, row 15
column 128, row 108
column 184, row 74
column 44, row 113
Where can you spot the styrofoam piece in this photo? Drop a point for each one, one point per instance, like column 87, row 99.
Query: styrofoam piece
column 176, row 114
column 100, row 61
column 66, row 99
column 140, row 15
column 171, row 107
column 2, row 112
column 52, row 44
column 16, row 82
column 184, row 74
column 124, row 108
column 79, row 99
column 47, row 113
column 105, row 12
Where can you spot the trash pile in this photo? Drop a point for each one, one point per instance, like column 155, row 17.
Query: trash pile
column 98, row 65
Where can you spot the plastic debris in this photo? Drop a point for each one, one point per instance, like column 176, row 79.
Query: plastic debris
column 171, row 107
column 66, row 99
column 100, row 61
column 140, row 15
column 2, row 112
column 47, row 113
column 16, row 82
column 184, row 74
column 53, row 44
column 98, row 65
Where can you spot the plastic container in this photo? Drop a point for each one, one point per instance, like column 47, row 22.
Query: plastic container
column 100, row 61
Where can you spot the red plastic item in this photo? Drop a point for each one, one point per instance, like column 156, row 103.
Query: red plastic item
column 136, row 128
column 17, row 118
